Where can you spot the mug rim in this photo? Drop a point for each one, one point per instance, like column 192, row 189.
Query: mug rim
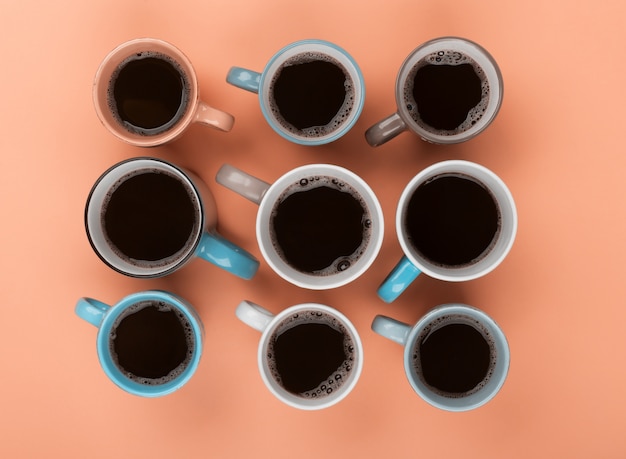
column 306, row 280
column 353, row 69
column 149, row 272
column 294, row 400
column 114, row 373
column 100, row 89
column 484, row 394
column 492, row 72
column 496, row 254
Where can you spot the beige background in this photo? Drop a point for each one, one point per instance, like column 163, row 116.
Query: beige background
column 559, row 296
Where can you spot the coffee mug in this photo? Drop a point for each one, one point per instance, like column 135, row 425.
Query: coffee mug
column 311, row 92
column 318, row 226
column 146, row 93
column 149, row 343
column 146, row 217
column 455, row 357
column 456, row 221
column 448, row 90
column 310, row 355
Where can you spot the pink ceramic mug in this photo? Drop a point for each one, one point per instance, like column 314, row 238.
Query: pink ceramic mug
column 146, row 93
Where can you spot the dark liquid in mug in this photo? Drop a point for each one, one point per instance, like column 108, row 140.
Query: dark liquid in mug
column 311, row 354
column 454, row 359
column 312, row 95
column 148, row 93
column 452, row 220
column 150, row 217
column 320, row 226
column 152, row 342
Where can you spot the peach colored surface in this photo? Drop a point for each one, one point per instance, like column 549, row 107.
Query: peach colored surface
column 559, row 296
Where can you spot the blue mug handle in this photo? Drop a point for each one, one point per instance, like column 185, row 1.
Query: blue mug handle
column 398, row 280
column 226, row 255
column 92, row 311
column 244, row 79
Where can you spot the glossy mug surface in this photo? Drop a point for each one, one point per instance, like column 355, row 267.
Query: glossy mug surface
column 311, row 92
column 146, row 217
column 146, row 93
column 149, row 343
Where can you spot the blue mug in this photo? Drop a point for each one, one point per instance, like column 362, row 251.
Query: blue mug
column 202, row 238
column 311, row 92
column 139, row 335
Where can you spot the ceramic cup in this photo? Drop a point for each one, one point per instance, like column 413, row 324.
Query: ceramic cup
column 455, row 357
column 149, row 343
column 146, row 93
column 140, row 230
column 311, row 92
column 310, row 355
column 418, row 229
column 319, row 226
column 448, row 90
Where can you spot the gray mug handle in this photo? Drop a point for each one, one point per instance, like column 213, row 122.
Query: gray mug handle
column 385, row 130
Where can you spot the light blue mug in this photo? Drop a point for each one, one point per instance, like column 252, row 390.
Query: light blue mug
column 341, row 116
column 203, row 240
column 143, row 319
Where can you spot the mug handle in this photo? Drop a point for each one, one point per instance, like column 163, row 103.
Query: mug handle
column 391, row 329
column 226, row 255
column 385, row 130
column 244, row 79
column 253, row 315
column 91, row 310
column 242, row 183
column 398, row 280
column 209, row 116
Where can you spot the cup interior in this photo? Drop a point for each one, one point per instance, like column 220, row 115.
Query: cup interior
column 96, row 203
column 504, row 237
column 108, row 69
column 476, row 53
column 308, row 280
column 305, row 48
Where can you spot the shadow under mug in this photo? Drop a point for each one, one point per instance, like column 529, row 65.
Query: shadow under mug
column 145, row 92
column 311, row 92
column 453, row 355
column 448, row 90
column 310, row 356
column 321, row 242
column 134, row 242
column 154, row 333
column 451, row 232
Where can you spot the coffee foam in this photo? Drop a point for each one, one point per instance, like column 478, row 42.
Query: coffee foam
column 189, row 334
column 440, row 322
column 314, row 181
column 339, row 376
column 341, row 116
column 448, row 57
column 149, row 264
column 185, row 97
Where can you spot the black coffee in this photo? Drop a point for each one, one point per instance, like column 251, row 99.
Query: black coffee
column 454, row 358
column 312, row 94
column 446, row 92
column 452, row 220
column 320, row 226
column 311, row 354
column 148, row 93
column 152, row 342
column 150, row 217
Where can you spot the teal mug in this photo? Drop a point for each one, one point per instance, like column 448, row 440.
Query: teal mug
column 149, row 343
column 146, row 218
column 311, row 92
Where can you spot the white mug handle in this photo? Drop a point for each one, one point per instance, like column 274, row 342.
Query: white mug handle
column 242, row 183
column 254, row 315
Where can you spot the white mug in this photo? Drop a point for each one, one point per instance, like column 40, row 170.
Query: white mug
column 414, row 261
column 462, row 388
column 312, row 230
column 294, row 361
